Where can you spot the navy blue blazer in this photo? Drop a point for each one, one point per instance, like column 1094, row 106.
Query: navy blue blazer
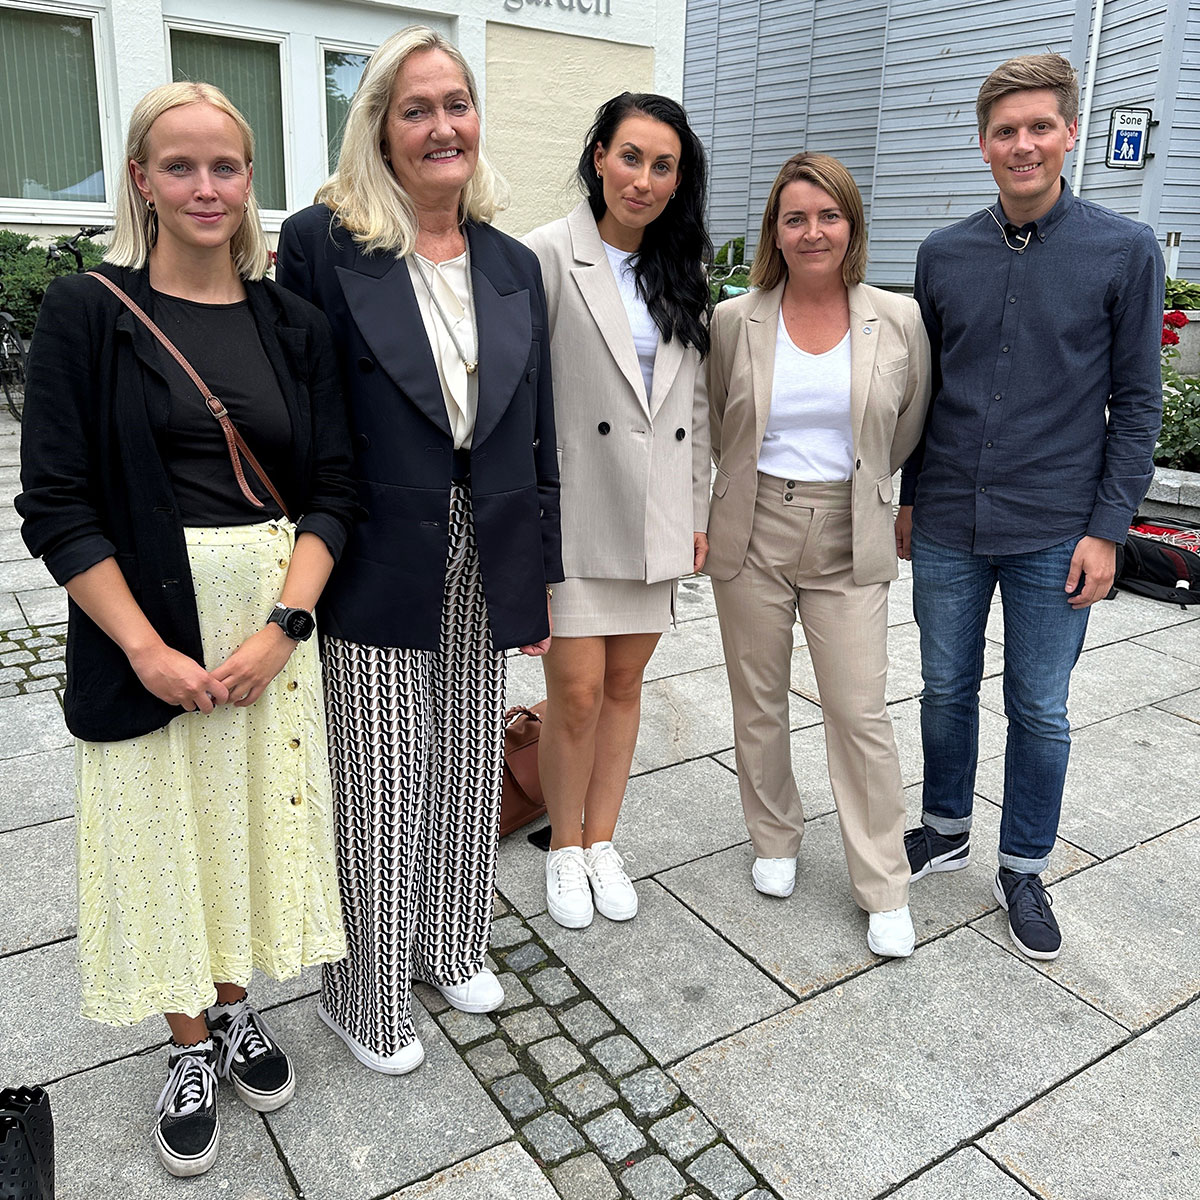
column 388, row 586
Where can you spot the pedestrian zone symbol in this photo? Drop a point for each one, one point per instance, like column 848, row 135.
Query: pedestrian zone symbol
column 1129, row 145
column 1128, row 137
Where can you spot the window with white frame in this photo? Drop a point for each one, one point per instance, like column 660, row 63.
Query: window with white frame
column 50, row 139
column 342, row 69
column 249, row 72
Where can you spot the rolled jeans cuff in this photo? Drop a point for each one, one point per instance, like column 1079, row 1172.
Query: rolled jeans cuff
column 1024, row 866
column 946, row 826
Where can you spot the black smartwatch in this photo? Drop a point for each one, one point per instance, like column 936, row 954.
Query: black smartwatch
column 297, row 623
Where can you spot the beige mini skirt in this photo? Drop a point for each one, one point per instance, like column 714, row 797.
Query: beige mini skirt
column 604, row 607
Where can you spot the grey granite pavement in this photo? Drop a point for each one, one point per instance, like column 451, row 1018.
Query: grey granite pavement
column 723, row 1045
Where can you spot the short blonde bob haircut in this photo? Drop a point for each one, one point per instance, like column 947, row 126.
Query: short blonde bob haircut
column 1028, row 73
column 367, row 197
column 822, row 170
column 135, row 226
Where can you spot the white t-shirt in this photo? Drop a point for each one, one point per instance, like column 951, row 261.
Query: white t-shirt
column 641, row 323
column 808, row 435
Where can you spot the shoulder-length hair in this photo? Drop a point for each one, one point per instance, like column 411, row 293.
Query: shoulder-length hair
column 367, row 198
column 670, row 265
column 827, row 173
column 135, row 226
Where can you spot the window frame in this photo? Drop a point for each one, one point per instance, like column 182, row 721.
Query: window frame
column 272, row 218
column 18, row 210
column 340, row 46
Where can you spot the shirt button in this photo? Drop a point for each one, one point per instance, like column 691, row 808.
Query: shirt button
column 296, row 800
column 989, row 445
column 996, row 396
column 1003, row 349
column 1012, row 299
column 283, row 562
column 294, row 743
column 983, row 489
column 292, row 683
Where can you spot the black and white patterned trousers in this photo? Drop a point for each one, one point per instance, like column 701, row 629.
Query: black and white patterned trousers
column 415, row 745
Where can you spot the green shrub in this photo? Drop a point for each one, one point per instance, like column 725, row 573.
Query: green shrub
column 737, row 280
column 1179, row 443
column 25, row 274
column 731, row 253
column 1181, row 294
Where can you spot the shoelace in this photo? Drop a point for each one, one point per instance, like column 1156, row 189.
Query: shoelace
column 572, row 873
column 607, row 867
column 188, row 1086
column 1029, row 895
column 247, row 1034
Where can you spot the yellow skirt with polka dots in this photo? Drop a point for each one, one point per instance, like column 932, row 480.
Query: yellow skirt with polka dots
column 206, row 847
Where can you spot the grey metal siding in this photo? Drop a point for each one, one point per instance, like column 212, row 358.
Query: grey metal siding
column 1180, row 208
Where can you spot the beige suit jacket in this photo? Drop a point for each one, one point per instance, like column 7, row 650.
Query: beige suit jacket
column 634, row 468
column 889, row 395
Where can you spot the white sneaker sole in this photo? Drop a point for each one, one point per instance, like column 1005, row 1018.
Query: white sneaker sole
column 567, row 919
column 185, row 1168
column 400, row 1063
column 265, row 1101
column 469, row 1006
column 1040, row 955
column 614, row 913
column 886, row 951
column 944, row 862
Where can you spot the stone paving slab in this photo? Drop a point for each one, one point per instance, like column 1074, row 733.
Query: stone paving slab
column 1111, row 680
column 12, row 545
column 693, row 646
column 966, row 1175
column 904, row 674
column 695, row 599
column 672, row 982
column 1186, row 706
column 103, row 1126
column 503, row 1173
column 1124, row 783
column 1125, row 1127
column 38, row 885
column 9, row 518
column 44, row 606
column 11, row 616
column 376, row 1133
column 37, row 787
column 1130, row 944
column 668, row 817
column 24, row 574
column 1179, row 641
column 875, row 1052
column 687, row 716
column 817, row 936
column 31, row 724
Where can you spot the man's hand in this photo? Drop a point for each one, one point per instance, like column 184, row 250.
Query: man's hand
column 904, row 531
column 1095, row 562
column 699, row 550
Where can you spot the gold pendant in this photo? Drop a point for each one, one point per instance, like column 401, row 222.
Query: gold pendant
column 470, row 367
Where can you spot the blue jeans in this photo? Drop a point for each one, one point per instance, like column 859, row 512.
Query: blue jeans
column 1043, row 635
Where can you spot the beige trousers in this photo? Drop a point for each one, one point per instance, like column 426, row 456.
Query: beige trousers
column 799, row 560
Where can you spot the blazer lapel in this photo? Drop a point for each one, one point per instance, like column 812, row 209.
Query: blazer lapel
column 762, row 329
column 504, row 324
column 384, row 306
column 667, row 360
column 864, row 344
column 596, row 284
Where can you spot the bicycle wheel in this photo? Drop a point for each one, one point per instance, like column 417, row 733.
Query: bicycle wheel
column 12, row 369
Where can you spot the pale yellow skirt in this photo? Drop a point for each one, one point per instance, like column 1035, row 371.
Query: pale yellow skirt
column 206, row 847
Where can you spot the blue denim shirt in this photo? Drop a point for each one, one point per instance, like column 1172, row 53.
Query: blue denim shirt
column 1047, row 386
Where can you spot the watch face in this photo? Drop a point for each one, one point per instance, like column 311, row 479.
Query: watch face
column 297, row 624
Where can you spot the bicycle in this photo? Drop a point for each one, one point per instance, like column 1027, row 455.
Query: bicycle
column 54, row 252
column 12, row 365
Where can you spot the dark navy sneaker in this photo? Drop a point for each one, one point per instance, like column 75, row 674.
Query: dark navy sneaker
column 188, row 1130
column 929, row 850
column 249, row 1056
column 1031, row 924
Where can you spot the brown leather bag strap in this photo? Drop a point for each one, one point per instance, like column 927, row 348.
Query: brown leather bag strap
column 233, row 440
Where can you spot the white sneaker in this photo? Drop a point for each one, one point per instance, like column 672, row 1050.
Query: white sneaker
column 568, row 896
column 479, row 994
column 611, row 887
column 774, row 876
column 407, row 1058
column 891, row 933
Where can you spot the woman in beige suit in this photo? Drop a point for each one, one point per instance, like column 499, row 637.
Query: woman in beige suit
column 628, row 306
column 818, row 387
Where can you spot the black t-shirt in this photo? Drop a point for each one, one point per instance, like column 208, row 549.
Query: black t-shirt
column 222, row 344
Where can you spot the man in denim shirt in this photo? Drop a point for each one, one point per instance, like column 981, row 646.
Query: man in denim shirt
column 1044, row 313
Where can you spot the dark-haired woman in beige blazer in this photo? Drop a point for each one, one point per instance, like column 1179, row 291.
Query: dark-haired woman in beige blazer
column 627, row 301
column 818, row 387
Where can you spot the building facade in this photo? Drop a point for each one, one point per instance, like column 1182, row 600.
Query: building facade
column 71, row 72
column 888, row 86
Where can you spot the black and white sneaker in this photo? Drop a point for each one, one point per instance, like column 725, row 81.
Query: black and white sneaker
column 188, row 1131
column 1031, row 924
column 930, row 851
column 249, row 1056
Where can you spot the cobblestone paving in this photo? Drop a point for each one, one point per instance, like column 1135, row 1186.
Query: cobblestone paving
column 33, row 660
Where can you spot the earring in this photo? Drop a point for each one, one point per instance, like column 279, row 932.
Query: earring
column 246, row 207
column 671, row 196
column 149, row 205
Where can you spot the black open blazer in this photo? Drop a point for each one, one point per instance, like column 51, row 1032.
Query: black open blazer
column 388, row 587
column 96, row 487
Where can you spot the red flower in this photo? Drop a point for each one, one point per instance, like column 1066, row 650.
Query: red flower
column 1175, row 319
column 1169, row 337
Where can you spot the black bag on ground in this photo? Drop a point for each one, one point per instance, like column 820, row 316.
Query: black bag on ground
column 26, row 1145
column 1152, row 568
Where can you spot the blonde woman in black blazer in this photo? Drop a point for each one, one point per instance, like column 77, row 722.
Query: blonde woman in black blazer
column 628, row 306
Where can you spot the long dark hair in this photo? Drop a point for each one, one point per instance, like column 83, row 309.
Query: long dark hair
column 669, row 267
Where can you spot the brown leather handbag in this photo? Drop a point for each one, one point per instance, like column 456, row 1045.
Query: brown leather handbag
column 521, row 798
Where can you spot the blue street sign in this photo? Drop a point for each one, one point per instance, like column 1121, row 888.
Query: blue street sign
column 1128, row 138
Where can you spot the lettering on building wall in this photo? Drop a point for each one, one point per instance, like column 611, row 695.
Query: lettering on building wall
column 602, row 8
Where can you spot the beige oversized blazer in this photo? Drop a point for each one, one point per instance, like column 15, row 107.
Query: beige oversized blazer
column 889, row 395
column 634, row 468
